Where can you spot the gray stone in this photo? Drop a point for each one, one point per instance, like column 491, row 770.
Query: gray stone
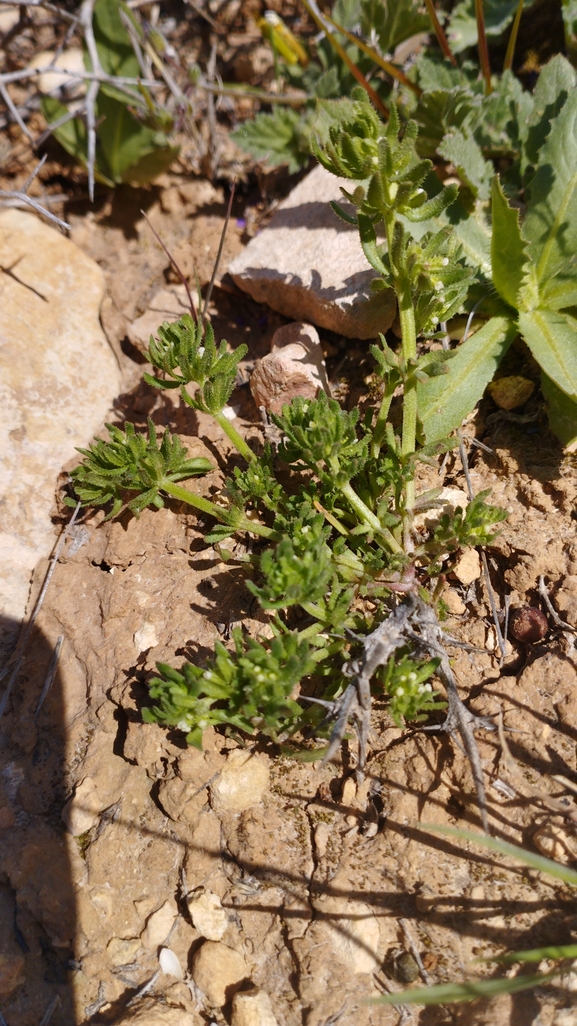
column 308, row 264
column 58, row 377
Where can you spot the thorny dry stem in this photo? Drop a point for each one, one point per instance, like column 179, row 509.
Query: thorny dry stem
column 20, row 197
column 411, row 621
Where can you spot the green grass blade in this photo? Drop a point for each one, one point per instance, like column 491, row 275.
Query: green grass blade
column 446, row 993
column 530, row 859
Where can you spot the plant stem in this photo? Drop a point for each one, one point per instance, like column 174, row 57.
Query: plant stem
column 508, row 62
column 441, row 37
column 369, row 517
column 482, row 45
column 238, row 442
column 224, row 516
column 380, row 428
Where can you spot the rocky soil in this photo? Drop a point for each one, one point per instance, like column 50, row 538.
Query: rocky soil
column 145, row 882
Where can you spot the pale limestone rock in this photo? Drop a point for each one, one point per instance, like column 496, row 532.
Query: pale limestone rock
column 295, row 366
column 146, row 637
column 218, row 971
column 556, row 843
column 448, row 501
column 167, row 305
column 159, row 925
column 309, row 263
column 58, row 377
column 81, row 812
column 122, row 950
column 57, row 83
column 468, row 567
column 169, row 963
column 353, row 931
column 252, row 1008
column 241, row 783
column 208, row 915
column 9, row 17
column 454, row 602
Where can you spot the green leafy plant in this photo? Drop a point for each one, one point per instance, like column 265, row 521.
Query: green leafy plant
column 337, row 532
column 131, row 141
column 561, row 954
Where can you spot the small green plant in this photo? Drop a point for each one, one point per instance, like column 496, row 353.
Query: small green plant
column 562, row 954
column 340, row 532
column 131, row 141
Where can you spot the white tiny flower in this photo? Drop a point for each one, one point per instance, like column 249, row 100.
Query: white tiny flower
column 399, row 692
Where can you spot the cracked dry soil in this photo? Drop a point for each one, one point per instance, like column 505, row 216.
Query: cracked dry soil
column 313, row 872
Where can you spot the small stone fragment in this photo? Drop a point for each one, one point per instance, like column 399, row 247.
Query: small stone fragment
column 146, row 637
column 294, row 367
column 468, row 567
column 159, row 925
column 354, row 934
column 511, row 392
column 208, row 915
column 448, row 501
column 56, row 83
column 241, row 783
column 81, row 812
column 169, row 963
column 454, row 602
column 349, row 791
column 167, row 305
column 555, row 843
column 122, row 950
column 218, row 971
column 528, row 624
column 252, row 1008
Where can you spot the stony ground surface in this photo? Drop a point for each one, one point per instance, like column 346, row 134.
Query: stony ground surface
column 257, row 871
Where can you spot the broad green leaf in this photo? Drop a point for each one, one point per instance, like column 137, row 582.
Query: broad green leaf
column 463, row 26
column 508, row 253
column 278, row 138
column 530, row 858
column 474, row 234
column 112, row 40
column 550, row 226
column 434, row 72
column 445, row 401
column 151, row 165
column 552, row 339
column 554, row 84
column 447, row 993
column 461, row 149
column 72, row 136
column 123, row 143
column 439, row 111
column 562, row 413
column 500, row 122
column 392, row 21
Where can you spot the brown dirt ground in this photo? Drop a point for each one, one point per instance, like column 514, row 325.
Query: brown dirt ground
column 317, row 878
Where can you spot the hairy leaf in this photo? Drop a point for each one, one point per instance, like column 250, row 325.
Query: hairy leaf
column 278, row 138
column 392, row 21
column 556, row 80
column 508, row 252
column 462, row 150
column 552, row 339
column 550, row 226
column 445, row 401
column 562, row 413
column 463, row 27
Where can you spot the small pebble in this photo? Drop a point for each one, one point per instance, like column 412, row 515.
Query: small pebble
column 528, row 624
